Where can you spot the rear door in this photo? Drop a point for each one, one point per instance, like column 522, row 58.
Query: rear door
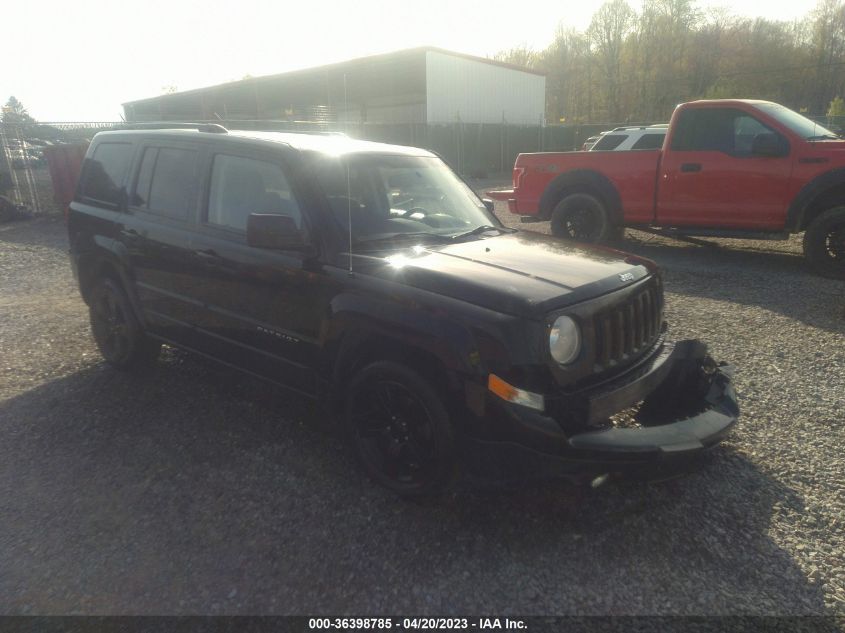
column 710, row 178
column 163, row 204
column 97, row 218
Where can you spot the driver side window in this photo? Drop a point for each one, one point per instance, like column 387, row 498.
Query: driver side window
column 241, row 186
column 727, row 130
column 746, row 128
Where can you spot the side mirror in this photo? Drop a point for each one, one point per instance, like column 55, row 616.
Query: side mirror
column 768, row 144
column 271, row 230
column 488, row 203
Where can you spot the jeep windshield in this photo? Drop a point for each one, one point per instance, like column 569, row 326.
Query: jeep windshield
column 394, row 197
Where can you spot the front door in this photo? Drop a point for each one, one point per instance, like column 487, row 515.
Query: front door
column 710, row 178
column 262, row 309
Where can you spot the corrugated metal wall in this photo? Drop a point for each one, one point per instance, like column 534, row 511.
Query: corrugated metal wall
column 461, row 89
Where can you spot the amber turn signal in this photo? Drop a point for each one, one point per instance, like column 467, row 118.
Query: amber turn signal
column 513, row 394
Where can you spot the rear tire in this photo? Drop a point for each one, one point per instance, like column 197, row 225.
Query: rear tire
column 824, row 243
column 400, row 429
column 583, row 218
column 119, row 336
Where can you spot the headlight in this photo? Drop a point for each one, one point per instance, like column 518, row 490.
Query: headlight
column 564, row 340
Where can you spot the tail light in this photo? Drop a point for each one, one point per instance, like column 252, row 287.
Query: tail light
column 517, row 176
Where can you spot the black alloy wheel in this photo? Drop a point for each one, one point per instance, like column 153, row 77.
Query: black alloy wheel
column 834, row 243
column 116, row 331
column 400, row 429
column 824, row 243
column 580, row 217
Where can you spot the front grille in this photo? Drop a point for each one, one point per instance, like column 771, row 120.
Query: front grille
column 627, row 329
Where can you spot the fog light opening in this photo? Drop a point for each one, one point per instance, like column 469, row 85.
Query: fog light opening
column 600, row 480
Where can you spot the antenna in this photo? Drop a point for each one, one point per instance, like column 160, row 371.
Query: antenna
column 348, row 184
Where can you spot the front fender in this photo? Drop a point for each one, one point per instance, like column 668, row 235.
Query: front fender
column 360, row 324
column 809, row 194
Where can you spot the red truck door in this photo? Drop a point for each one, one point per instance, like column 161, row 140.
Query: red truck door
column 709, row 176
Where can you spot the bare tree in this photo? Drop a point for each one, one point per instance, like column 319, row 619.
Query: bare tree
column 567, row 64
column 637, row 67
column 608, row 29
column 828, row 47
column 522, row 55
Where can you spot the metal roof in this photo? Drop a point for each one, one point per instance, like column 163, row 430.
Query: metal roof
column 359, row 62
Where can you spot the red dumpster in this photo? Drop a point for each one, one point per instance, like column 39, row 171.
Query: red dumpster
column 65, row 162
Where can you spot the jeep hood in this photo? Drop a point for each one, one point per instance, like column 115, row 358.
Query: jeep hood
column 524, row 274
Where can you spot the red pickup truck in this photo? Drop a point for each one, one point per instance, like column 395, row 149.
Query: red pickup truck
column 728, row 168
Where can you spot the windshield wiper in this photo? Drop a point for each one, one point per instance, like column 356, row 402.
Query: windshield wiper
column 823, row 137
column 481, row 229
column 385, row 237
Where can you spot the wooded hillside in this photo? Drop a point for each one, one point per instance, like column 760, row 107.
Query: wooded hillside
column 636, row 66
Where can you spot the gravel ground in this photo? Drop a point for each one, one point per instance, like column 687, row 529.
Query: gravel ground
column 198, row 490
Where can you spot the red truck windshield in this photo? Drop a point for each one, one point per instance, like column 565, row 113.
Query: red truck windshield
column 799, row 124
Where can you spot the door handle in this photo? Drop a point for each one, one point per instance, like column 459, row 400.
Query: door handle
column 690, row 167
column 130, row 233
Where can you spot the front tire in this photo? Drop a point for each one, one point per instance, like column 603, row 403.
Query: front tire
column 400, row 430
column 824, row 243
column 117, row 333
column 583, row 218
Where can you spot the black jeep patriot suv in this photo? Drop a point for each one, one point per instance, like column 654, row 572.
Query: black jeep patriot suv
column 372, row 278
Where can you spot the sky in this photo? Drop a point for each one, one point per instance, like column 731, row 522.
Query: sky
column 79, row 60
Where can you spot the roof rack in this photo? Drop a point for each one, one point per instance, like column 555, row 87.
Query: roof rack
column 313, row 132
column 214, row 128
column 245, row 125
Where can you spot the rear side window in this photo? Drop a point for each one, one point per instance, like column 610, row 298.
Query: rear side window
column 105, row 172
column 649, row 141
column 240, row 186
column 166, row 182
column 610, row 141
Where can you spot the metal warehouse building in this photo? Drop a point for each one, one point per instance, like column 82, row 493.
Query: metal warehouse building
column 417, row 86
column 477, row 113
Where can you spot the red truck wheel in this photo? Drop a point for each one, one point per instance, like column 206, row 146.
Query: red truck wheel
column 824, row 243
column 581, row 217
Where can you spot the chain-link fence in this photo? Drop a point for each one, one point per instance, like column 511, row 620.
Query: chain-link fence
column 833, row 123
column 476, row 150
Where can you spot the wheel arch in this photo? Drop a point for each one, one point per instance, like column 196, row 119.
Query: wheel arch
column 823, row 192
column 103, row 261
column 582, row 181
column 361, row 347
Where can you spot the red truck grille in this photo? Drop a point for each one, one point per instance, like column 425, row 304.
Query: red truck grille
column 627, row 329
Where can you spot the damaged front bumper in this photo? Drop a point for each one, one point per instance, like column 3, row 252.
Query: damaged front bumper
column 687, row 404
